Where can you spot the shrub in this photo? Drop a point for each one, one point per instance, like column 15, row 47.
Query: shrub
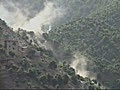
column 53, row 65
column 74, row 79
column 59, row 79
column 95, row 81
column 1, row 46
column 31, row 53
column 32, row 72
column 12, row 54
column 2, row 51
column 54, row 81
column 80, row 78
column 49, row 78
column 71, row 71
column 91, row 87
column 43, row 79
column 65, row 79
column 45, row 35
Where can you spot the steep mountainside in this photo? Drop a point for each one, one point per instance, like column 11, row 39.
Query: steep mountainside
column 75, row 9
column 110, row 14
column 28, row 61
column 36, row 67
column 60, row 11
column 97, row 40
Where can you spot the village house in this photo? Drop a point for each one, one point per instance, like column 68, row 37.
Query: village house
column 13, row 46
column 23, row 47
column 17, row 47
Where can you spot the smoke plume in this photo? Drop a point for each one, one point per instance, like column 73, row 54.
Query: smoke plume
column 32, row 14
column 29, row 14
column 80, row 65
column 45, row 17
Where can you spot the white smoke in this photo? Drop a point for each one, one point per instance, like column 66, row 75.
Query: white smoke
column 46, row 16
column 17, row 19
column 80, row 65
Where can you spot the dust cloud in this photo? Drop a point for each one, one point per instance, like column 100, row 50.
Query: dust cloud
column 80, row 65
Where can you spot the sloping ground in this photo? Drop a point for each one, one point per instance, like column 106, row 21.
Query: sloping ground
column 43, row 72
column 75, row 9
column 39, row 72
column 97, row 40
column 110, row 14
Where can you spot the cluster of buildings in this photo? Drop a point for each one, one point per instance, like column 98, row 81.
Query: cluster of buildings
column 14, row 46
column 12, row 42
column 18, row 47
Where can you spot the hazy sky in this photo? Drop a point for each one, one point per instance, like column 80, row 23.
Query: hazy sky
column 28, row 14
column 32, row 14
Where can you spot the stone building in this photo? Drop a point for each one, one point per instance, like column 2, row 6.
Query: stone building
column 10, row 46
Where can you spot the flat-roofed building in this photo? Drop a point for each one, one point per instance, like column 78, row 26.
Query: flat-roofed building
column 11, row 46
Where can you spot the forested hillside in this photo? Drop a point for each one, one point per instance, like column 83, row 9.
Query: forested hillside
column 36, row 68
column 75, row 9
column 98, row 38
column 75, row 44
column 110, row 14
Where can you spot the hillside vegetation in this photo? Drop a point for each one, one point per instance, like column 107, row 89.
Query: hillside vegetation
column 110, row 14
column 89, row 27
column 75, row 9
column 98, row 38
column 41, row 71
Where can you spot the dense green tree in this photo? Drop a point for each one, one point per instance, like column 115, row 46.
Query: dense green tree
column 80, row 78
column 46, row 36
column 65, row 79
column 71, row 71
column 54, row 82
column 12, row 54
column 49, row 78
column 74, row 79
column 53, row 65
column 43, row 79
column 59, row 79
column 91, row 87
column 1, row 46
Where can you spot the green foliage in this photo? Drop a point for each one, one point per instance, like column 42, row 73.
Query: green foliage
column 71, row 71
column 20, row 72
column 80, row 78
column 45, row 52
column 95, row 81
column 32, row 72
column 31, row 33
column 95, row 39
column 31, row 53
column 43, row 79
column 110, row 14
column 59, row 79
column 2, row 51
column 1, row 46
column 91, row 87
column 78, row 8
column 45, row 35
column 53, row 65
column 54, row 82
column 49, row 78
column 1, row 32
column 117, row 84
column 12, row 54
column 65, row 79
